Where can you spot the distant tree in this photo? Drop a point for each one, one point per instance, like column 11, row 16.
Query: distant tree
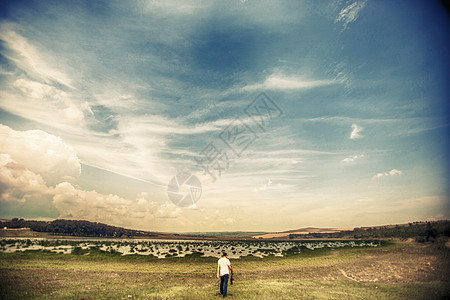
column 447, row 231
column 431, row 234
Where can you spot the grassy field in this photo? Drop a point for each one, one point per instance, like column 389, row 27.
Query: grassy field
column 395, row 271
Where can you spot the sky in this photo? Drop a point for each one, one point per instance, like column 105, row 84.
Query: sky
column 281, row 114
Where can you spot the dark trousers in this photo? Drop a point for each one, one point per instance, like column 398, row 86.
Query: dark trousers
column 224, row 284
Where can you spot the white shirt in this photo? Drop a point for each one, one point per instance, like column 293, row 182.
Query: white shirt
column 223, row 265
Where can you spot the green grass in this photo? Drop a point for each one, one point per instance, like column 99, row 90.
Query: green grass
column 308, row 275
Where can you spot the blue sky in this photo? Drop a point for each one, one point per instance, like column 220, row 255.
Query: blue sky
column 102, row 103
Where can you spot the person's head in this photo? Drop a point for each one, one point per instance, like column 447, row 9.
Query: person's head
column 224, row 254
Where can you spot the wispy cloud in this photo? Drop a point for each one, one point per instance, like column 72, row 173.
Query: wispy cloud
column 173, row 7
column 282, row 82
column 392, row 172
column 138, row 96
column 265, row 186
column 352, row 158
column 29, row 58
column 350, row 13
column 38, row 100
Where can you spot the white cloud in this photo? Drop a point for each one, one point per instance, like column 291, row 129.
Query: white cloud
column 350, row 13
column 43, row 92
column 146, row 139
column 264, row 186
column 34, row 164
column 17, row 183
column 30, row 59
column 173, row 7
column 281, row 82
column 41, row 153
column 159, row 125
column 49, row 102
column 352, row 158
column 165, row 210
column 392, row 172
column 395, row 172
column 279, row 187
column 79, row 204
column 356, row 132
column 229, row 220
column 75, row 203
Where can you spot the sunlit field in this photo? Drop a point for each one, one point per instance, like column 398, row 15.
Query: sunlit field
column 397, row 270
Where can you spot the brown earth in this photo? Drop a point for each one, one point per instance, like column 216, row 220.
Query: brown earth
column 404, row 262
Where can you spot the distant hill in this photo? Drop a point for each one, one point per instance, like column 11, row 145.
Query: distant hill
column 419, row 230
column 301, row 231
column 77, row 228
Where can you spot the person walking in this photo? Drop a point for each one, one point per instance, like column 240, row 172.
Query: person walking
column 223, row 273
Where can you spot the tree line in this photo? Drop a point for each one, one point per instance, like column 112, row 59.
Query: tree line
column 76, row 228
column 421, row 231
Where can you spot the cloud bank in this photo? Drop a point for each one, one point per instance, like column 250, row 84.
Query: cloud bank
column 36, row 164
